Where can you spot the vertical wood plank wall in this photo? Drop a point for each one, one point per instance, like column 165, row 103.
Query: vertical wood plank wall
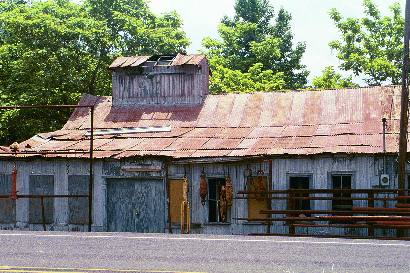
column 365, row 172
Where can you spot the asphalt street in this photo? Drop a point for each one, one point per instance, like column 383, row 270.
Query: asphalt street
column 38, row 252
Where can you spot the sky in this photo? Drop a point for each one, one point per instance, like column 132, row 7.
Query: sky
column 311, row 22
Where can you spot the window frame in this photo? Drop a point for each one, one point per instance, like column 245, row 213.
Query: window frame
column 228, row 213
column 311, row 185
column 341, row 173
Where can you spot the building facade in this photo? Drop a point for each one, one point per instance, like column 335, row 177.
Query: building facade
column 162, row 131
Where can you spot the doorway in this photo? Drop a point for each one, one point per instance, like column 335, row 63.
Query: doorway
column 135, row 205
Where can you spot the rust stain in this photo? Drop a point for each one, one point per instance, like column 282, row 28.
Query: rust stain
column 333, row 121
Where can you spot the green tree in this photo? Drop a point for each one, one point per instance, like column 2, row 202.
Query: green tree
column 371, row 47
column 330, row 79
column 256, row 36
column 53, row 51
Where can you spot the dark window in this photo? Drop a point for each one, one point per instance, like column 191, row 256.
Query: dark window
column 41, row 185
column 78, row 207
column 408, row 182
column 7, row 206
column 408, row 187
column 342, row 182
column 214, row 188
column 299, row 183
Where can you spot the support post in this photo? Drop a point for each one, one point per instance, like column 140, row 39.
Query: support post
column 270, row 188
column 370, row 204
column 404, row 118
column 167, row 185
column 91, row 178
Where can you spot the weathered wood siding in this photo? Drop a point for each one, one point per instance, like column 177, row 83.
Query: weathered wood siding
column 135, row 205
column 365, row 172
column 78, row 207
column 161, row 85
column 7, row 206
column 41, row 185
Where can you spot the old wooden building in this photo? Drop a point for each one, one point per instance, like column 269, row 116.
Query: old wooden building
column 161, row 128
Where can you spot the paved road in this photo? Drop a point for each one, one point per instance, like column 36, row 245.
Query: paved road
column 38, row 252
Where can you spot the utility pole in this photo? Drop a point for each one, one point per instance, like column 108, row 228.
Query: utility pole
column 404, row 116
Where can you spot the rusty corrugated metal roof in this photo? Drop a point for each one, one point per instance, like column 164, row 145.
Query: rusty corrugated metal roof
column 294, row 123
column 180, row 59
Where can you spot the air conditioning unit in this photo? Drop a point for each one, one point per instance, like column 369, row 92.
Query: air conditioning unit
column 384, row 180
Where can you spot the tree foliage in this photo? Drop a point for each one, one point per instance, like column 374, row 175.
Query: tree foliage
column 53, row 51
column 371, row 46
column 330, row 79
column 255, row 40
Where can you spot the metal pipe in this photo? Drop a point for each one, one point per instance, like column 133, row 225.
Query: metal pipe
column 28, row 196
column 91, row 178
column 44, row 153
column 324, row 191
column 45, row 106
column 384, row 145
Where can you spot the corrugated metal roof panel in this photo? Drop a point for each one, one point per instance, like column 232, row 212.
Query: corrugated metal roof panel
column 196, row 59
column 134, row 61
column 266, row 132
column 120, row 144
column 118, row 62
column 211, row 153
column 220, row 144
column 297, row 130
column 84, row 145
column 152, row 144
column 187, row 144
column 302, row 123
column 54, row 145
column 181, row 59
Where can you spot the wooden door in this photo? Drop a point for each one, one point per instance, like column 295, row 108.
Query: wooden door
column 135, row 205
column 175, row 200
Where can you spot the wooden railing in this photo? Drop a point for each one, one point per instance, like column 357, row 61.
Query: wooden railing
column 380, row 208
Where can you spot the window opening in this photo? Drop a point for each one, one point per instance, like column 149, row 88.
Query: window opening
column 342, row 182
column 215, row 187
column 299, row 183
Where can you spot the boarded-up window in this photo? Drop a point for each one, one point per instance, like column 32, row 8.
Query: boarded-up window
column 78, row 207
column 7, row 206
column 41, row 185
column 175, row 200
column 257, row 201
